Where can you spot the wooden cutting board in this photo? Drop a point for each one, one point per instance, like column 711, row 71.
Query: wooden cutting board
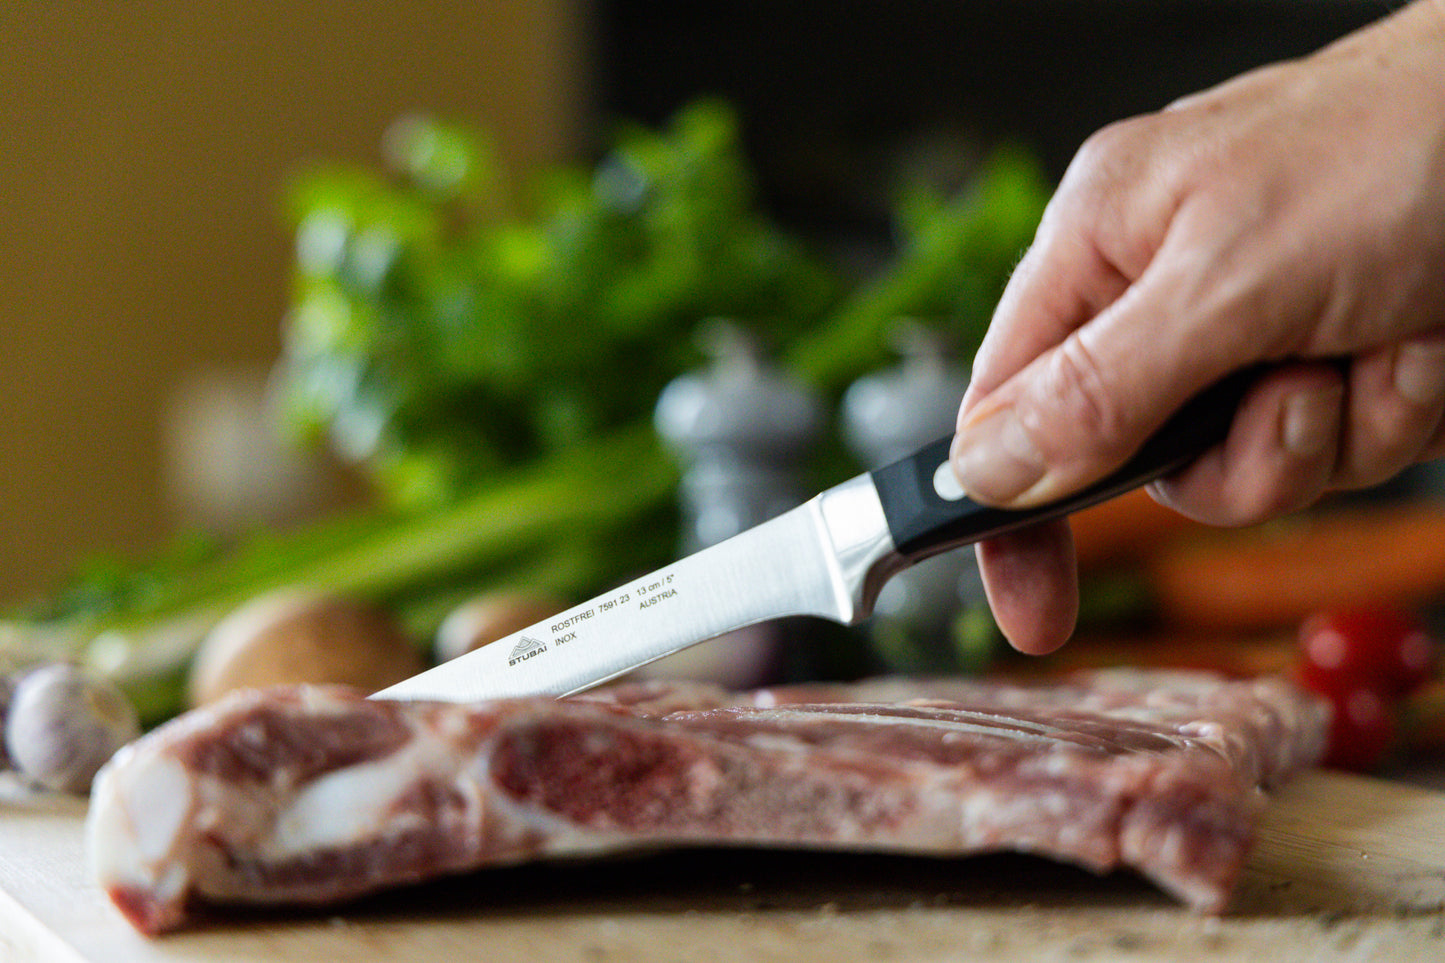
column 1346, row 868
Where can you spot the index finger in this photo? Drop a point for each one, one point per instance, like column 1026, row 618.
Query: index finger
column 1098, row 235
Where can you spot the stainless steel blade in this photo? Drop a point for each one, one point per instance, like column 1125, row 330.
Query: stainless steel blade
column 825, row 558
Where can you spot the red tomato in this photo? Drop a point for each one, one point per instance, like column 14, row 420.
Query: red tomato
column 1378, row 647
column 1362, row 732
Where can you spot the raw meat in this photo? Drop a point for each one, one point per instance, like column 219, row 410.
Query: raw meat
column 310, row 795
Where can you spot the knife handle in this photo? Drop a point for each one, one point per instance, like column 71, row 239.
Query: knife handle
column 928, row 513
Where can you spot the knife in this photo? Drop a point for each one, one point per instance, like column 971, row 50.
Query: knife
column 828, row 558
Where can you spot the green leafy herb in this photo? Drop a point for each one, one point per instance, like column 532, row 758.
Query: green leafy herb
column 492, row 361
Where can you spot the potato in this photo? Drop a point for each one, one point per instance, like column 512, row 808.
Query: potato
column 302, row 636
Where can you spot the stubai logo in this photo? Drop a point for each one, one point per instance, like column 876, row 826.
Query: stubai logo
column 526, row 649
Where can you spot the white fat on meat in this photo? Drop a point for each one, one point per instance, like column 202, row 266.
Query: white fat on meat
column 133, row 836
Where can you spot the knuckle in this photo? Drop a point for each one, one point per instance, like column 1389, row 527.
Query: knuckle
column 1110, row 162
column 1099, row 166
column 1229, row 501
column 1122, row 186
column 1392, row 441
column 1270, row 488
column 1274, row 496
column 1394, row 415
column 1108, row 148
column 1081, row 389
column 1124, row 150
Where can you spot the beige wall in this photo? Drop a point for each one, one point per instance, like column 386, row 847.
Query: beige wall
column 144, row 149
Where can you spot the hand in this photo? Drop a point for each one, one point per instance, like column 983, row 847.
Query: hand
column 1294, row 215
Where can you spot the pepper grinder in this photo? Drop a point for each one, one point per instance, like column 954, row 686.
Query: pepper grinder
column 889, row 415
column 742, row 432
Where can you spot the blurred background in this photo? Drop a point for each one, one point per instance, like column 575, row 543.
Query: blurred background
column 145, row 257
column 146, row 262
column 343, row 338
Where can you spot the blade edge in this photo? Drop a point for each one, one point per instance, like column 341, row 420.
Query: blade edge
column 783, row 567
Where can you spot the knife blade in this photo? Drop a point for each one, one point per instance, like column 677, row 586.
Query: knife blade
column 827, row 558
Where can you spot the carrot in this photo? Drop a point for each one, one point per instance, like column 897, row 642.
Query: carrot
column 1124, row 530
column 1276, row 574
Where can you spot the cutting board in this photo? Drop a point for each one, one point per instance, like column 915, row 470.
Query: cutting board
column 1346, row 868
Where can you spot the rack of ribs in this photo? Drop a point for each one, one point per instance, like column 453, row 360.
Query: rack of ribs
column 314, row 795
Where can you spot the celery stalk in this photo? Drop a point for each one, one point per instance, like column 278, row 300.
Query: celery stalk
column 551, row 502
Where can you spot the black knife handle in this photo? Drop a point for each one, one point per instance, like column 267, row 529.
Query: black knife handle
column 925, row 517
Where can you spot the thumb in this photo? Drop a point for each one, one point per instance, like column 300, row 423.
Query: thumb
column 1080, row 408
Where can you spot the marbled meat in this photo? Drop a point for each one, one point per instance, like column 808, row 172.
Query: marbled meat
column 313, row 795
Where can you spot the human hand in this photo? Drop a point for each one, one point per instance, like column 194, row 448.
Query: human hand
column 1294, row 215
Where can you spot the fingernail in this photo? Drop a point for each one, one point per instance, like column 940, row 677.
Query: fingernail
column 1310, row 421
column 995, row 459
column 1419, row 373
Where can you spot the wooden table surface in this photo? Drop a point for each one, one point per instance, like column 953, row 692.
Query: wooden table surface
column 1346, row 868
